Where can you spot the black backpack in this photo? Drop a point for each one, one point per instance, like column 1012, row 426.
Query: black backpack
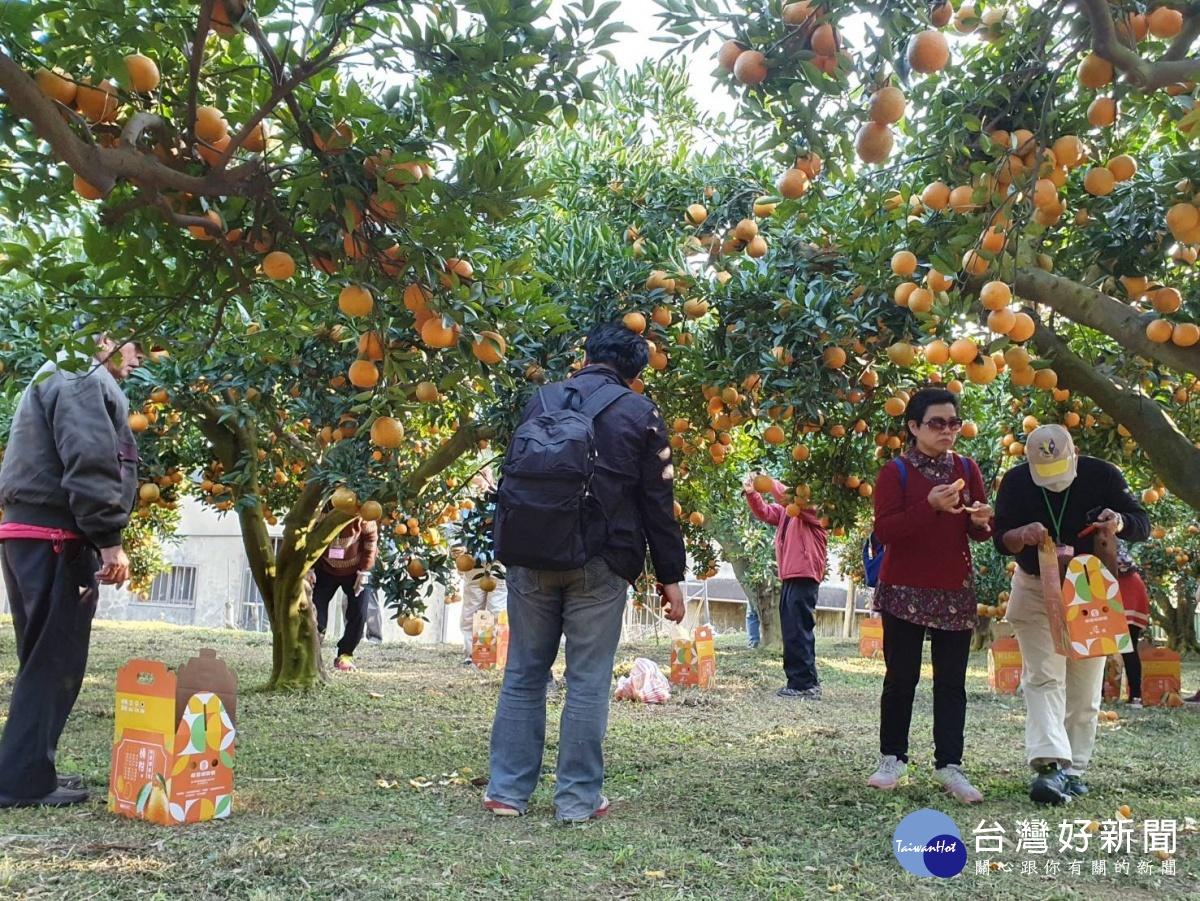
column 546, row 514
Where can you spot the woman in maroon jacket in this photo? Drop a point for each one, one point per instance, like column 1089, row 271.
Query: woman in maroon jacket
column 929, row 505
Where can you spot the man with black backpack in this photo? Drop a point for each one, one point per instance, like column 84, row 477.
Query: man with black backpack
column 587, row 486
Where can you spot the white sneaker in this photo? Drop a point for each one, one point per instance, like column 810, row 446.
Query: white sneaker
column 957, row 785
column 890, row 773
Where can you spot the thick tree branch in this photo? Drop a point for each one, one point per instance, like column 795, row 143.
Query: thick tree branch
column 102, row 167
column 1097, row 310
column 1172, row 68
column 469, row 435
column 1172, row 454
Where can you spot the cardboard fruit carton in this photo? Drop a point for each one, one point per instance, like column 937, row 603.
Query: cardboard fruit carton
column 1161, row 676
column 489, row 640
column 1004, row 666
column 870, row 637
column 694, row 659
column 173, row 741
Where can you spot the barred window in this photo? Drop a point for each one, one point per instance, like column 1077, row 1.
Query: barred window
column 176, row 588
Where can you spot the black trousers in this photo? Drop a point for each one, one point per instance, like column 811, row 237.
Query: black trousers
column 53, row 596
column 903, row 644
column 1133, row 664
column 797, row 618
column 324, row 589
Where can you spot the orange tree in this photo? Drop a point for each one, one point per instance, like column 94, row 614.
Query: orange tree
column 301, row 207
column 976, row 191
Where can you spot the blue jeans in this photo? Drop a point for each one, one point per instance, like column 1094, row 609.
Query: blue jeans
column 587, row 605
column 753, row 626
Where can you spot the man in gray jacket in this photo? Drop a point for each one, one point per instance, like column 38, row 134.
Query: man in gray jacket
column 67, row 487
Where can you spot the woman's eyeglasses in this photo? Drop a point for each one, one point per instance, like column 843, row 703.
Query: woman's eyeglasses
column 938, row 424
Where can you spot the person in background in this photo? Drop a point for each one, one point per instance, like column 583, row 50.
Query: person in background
column 1137, row 615
column 474, row 598
column 1059, row 493
column 347, row 564
column 67, row 486
column 753, row 625
column 800, row 543
column 930, row 504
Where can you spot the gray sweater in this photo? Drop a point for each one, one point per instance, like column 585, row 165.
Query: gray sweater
column 71, row 461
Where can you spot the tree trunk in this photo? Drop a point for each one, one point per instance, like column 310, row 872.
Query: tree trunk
column 295, row 645
column 1177, row 617
column 765, row 597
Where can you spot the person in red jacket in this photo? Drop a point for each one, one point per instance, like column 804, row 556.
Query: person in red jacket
column 930, row 504
column 1136, row 602
column 800, row 555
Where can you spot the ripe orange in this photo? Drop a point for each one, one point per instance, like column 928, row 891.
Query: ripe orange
column 1022, row 329
column 426, row 392
column 928, row 52
column 935, row 196
column 363, row 374
column 695, row 214
column 792, row 184
column 963, row 351
column 371, row 511
column 256, row 141
column 387, row 432
column 435, row 334
column 995, row 295
column 773, row 435
column 635, row 322
column 1069, row 151
column 489, row 348
column 936, row 352
column 661, row 316
column 210, row 124
column 1102, row 112
column 1094, row 72
column 1045, row 379
column 143, row 73
column 416, row 296
column 962, row 199
column 1181, row 218
column 370, row 346
column 920, row 300
column 696, row 518
column 415, row 568
column 902, row 353
column 904, row 262
column 1099, row 181
column 338, row 140
column 974, row 264
column 873, row 142
column 97, row 104
column 938, row 282
column 903, row 292
column 756, row 247
column 1166, row 300
column 1001, row 321
column 728, row 55
column 764, row 484
column 940, row 15
column 750, row 68
column 887, row 105
column 456, row 267
column 834, row 357
column 278, row 265
column 824, row 40
column 800, row 453
column 355, row 300
column 55, row 85
column 894, row 406
column 1164, row 22
column 1185, row 334
column 84, row 190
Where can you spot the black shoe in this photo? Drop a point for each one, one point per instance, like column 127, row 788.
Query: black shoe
column 1075, row 786
column 1050, row 786
column 60, row 797
column 70, row 782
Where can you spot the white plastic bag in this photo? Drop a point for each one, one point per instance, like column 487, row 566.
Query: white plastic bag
column 645, row 683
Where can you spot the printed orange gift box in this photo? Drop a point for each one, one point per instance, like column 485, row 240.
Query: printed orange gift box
column 173, row 741
column 1087, row 618
column 1004, row 666
column 489, row 640
column 694, row 659
column 1161, row 676
column 870, row 637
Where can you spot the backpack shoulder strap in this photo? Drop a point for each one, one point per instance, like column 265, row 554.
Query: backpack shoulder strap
column 554, row 398
column 903, row 472
column 601, row 399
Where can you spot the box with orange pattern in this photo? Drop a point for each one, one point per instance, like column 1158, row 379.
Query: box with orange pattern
column 1161, row 676
column 489, row 640
column 1004, row 666
column 694, row 660
column 870, row 637
column 173, row 741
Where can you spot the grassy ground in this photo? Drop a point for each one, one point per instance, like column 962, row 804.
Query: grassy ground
column 730, row 793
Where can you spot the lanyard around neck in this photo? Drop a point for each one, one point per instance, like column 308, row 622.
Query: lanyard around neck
column 1056, row 521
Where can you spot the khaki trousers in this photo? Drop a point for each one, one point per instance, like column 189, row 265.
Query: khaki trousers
column 1062, row 696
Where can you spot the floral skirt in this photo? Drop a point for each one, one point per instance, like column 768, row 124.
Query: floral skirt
column 952, row 609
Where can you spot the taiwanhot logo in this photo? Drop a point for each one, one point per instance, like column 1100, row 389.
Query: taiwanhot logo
column 927, row 843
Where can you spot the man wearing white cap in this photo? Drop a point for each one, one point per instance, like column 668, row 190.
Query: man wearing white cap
column 1058, row 493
